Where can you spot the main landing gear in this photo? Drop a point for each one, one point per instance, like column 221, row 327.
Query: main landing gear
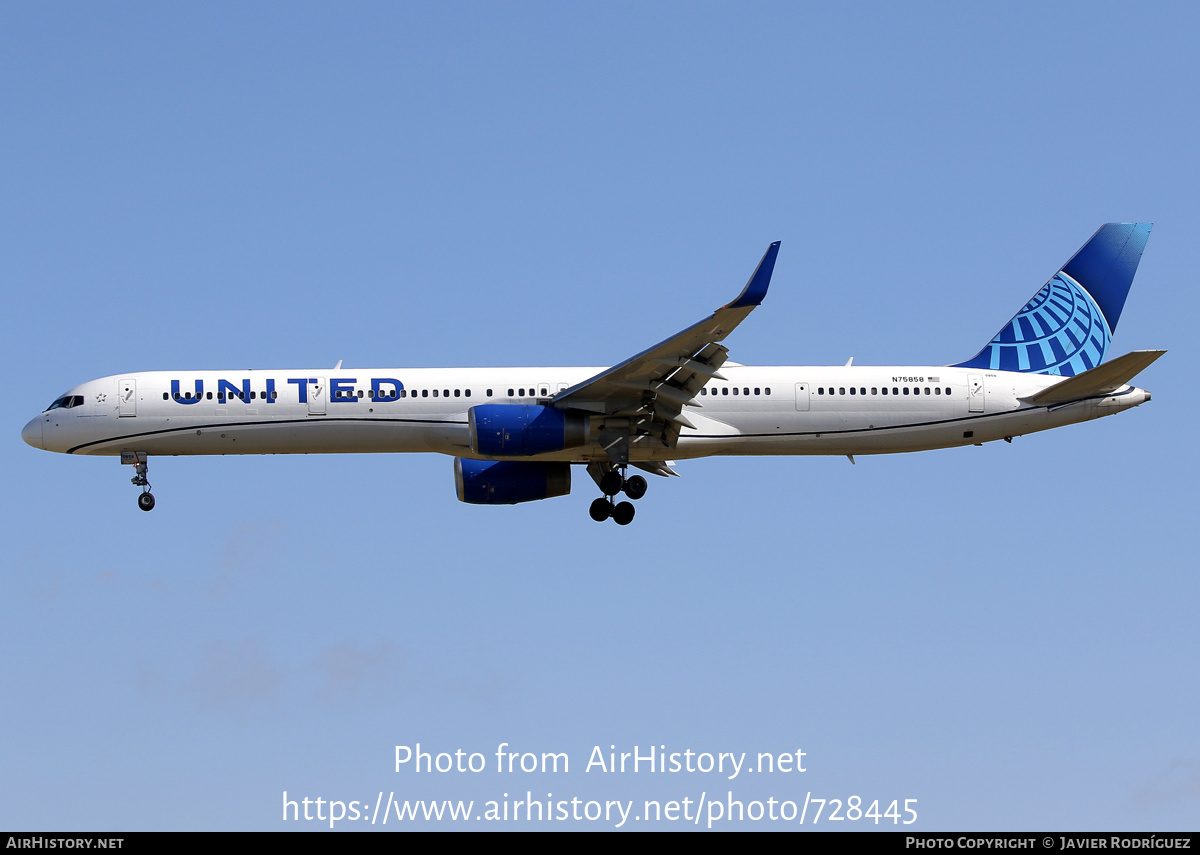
column 141, row 467
column 611, row 483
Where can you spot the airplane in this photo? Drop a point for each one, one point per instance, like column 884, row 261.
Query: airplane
column 515, row 433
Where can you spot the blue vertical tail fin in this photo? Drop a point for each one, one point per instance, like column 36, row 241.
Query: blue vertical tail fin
column 1067, row 326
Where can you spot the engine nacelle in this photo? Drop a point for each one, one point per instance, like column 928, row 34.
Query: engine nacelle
column 522, row 430
column 508, row 482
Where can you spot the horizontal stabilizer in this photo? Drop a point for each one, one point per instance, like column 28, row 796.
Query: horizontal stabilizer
column 1101, row 380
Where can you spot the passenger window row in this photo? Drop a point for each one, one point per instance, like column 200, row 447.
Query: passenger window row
column 896, row 390
column 744, row 390
column 346, row 395
column 423, row 393
column 521, row 392
column 187, row 396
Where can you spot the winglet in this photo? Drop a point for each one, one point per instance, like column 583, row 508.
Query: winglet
column 752, row 295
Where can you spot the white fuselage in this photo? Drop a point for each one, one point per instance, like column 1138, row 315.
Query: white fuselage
column 756, row 410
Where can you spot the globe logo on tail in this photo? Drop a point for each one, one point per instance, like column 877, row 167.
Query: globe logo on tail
column 1060, row 331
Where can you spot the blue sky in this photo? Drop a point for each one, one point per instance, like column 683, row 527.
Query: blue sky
column 1006, row 634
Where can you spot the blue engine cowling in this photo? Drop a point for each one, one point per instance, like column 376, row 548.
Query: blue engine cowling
column 508, row 482
column 522, row 430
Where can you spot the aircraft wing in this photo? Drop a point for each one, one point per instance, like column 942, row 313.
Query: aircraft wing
column 653, row 387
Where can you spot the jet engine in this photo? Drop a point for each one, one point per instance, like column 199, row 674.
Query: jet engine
column 508, row 482
column 523, row 430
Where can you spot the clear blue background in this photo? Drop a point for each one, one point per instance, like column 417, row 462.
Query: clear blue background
column 1007, row 634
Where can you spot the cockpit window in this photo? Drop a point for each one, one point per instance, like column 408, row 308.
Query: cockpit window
column 66, row 402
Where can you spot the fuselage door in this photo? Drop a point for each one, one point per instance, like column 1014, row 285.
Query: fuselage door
column 802, row 396
column 975, row 393
column 128, row 397
column 316, row 396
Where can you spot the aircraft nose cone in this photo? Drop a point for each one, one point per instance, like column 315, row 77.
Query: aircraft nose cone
column 32, row 432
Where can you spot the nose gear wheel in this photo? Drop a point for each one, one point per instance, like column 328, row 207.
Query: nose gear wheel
column 145, row 501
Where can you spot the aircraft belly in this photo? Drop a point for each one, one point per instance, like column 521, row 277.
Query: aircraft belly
column 871, row 434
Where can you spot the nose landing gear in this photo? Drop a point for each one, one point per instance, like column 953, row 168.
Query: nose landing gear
column 611, row 482
column 141, row 467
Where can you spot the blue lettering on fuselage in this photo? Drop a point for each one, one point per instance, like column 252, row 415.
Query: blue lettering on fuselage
column 235, row 392
column 341, row 390
column 340, row 385
column 175, row 396
column 302, row 387
column 376, row 382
